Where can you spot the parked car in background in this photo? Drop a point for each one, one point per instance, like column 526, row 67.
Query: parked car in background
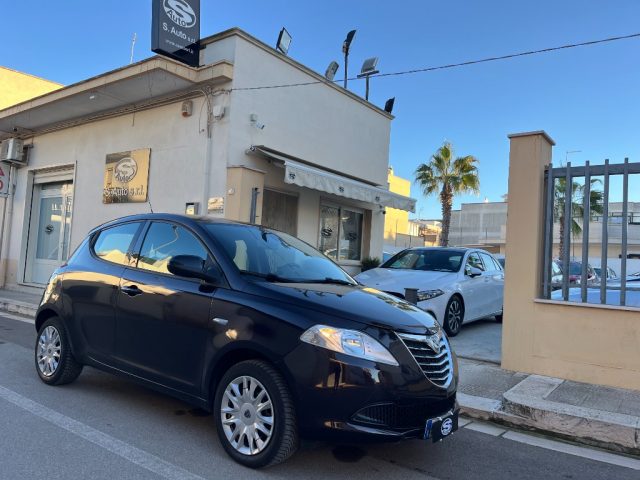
column 500, row 258
column 456, row 284
column 575, row 273
column 611, row 274
column 253, row 325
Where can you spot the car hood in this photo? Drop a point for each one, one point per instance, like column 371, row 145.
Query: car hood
column 396, row 279
column 356, row 303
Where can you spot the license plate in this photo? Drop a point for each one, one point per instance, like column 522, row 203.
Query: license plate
column 438, row 428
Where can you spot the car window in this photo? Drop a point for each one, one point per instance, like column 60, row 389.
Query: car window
column 474, row 261
column 488, row 262
column 164, row 241
column 112, row 244
column 497, row 264
column 433, row 260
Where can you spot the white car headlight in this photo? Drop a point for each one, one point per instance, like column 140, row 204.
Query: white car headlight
column 429, row 294
column 349, row 342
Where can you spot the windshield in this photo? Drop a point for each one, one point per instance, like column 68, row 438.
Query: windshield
column 575, row 268
column 275, row 256
column 433, row 260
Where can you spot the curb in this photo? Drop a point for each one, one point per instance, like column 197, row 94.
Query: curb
column 525, row 406
column 15, row 306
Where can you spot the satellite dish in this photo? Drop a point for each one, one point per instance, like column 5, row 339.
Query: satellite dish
column 388, row 106
column 331, row 71
column 369, row 66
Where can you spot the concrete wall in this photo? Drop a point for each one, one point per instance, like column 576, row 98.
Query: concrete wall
column 586, row 343
column 17, row 87
column 178, row 154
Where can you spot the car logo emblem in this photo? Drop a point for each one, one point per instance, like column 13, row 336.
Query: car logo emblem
column 434, row 342
column 446, row 427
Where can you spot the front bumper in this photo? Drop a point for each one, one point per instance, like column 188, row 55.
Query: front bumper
column 346, row 398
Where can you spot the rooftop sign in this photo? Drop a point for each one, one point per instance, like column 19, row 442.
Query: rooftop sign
column 175, row 30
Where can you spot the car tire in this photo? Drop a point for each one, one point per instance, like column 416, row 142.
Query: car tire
column 280, row 439
column 453, row 316
column 54, row 359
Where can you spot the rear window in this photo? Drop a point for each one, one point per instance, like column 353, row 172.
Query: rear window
column 112, row 244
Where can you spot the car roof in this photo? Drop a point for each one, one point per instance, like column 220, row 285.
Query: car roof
column 451, row 249
column 185, row 219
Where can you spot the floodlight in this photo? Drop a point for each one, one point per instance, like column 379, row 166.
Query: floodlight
column 369, row 66
column 345, row 49
column 388, row 106
column 368, row 69
column 347, row 41
column 331, row 71
column 284, row 41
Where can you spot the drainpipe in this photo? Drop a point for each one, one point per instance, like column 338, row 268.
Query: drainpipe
column 207, row 157
column 5, row 234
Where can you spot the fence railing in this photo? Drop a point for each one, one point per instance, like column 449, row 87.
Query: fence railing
column 561, row 203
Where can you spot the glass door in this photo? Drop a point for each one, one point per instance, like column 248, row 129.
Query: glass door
column 49, row 232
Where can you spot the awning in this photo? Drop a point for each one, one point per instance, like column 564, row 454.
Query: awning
column 303, row 175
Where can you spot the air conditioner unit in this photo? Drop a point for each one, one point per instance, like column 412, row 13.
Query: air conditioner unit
column 12, row 151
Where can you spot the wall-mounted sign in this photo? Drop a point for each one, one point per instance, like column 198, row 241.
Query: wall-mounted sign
column 175, row 30
column 126, row 176
column 215, row 205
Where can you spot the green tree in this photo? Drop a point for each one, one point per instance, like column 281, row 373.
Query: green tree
column 577, row 206
column 448, row 177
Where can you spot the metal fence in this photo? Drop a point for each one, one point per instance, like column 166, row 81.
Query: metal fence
column 561, row 286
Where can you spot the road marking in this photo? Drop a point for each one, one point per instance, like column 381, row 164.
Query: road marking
column 583, row 452
column 17, row 317
column 125, row 450
column 485, row 428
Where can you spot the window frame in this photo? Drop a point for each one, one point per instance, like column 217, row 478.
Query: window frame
column 340, row 207
column 142, row 235
column 474, row 252
column 130, row 248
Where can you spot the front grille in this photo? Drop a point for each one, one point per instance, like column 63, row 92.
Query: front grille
column 437, row 366
column 407, row 416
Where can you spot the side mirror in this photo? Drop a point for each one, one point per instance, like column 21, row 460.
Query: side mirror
column 190, row 266
column 472, row 271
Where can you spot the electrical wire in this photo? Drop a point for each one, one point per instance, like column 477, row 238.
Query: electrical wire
column 451, row 65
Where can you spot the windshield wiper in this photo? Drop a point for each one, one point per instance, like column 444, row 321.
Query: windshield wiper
column 269, row 277
column 337, row 281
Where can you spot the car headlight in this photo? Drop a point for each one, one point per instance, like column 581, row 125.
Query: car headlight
column 429, row 294
column 349, row 342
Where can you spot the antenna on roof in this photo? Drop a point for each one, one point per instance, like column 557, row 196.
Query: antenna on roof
column 150, row 207
column 133, row 44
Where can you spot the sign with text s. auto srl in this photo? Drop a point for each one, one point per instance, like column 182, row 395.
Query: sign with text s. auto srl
column 175, row 30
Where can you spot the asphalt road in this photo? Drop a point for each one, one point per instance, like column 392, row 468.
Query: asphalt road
column 103, row 427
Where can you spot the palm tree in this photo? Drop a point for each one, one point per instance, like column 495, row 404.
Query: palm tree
column 449, row 177
column 577, row 206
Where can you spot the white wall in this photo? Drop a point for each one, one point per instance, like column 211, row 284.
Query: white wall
column 178, row 148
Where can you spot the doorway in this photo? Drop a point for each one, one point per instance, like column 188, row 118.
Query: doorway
column 49, row 230
column 280, row 211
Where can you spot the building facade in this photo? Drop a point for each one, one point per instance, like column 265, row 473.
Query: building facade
column 157, row 135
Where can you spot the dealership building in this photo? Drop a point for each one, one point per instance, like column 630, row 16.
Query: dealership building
column 159, row 135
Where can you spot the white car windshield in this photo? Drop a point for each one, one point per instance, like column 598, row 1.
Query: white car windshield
column 275, row 256
column 433, row 260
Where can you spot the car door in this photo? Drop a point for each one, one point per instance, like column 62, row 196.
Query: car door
column 474, row 289
column 163, row 319
column 494, row 277
column 91, row 288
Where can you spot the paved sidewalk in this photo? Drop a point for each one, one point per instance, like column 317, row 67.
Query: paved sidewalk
column 22, row 303
column 591, row 414
column 602, row 416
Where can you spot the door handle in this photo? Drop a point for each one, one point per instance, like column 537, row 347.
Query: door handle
column 131, row 290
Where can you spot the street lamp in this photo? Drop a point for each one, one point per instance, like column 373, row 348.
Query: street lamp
column 388, row 106
column 331, row 71
column 284, row 41
column 345, row 49
column 368, row 69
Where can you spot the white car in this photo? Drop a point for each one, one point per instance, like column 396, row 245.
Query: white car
column 455, row 284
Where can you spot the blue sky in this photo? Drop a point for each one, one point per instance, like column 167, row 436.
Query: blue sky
column 587, row 99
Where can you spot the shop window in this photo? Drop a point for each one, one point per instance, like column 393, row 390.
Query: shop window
column 341, row 233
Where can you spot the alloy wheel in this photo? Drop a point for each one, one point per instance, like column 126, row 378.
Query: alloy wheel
column 454, row 315
column 49, row 350
column 247, row 415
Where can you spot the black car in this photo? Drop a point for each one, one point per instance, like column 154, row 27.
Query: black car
column 252, row 324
